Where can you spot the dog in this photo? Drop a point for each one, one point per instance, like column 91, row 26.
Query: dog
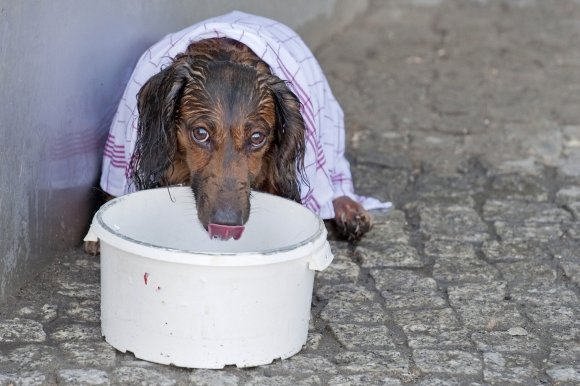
column 218, row 119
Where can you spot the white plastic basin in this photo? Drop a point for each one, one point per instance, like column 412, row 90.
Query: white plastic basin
column 171, row 295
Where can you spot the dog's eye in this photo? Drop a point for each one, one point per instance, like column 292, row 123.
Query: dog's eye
column 257, row 139
column 200, row 135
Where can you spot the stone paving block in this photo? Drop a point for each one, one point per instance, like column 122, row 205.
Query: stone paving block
column 421, row 321
column 453, row 223
column 438, row 249
column 261, row 380
column 80, row 290
column 85, row 262
column 439, row 328
column 457, row 262
column 477, row 293
column 567, row 256
column 76, row 332
column 485, row 306
column 313, row 341
column 560, row 374
column 45, row 313
column 376, row 186
column 30, row 357
column 574, row 207
column 566, row 251
column 546, row 146
column 28, row 378
column 538, row 295
column 528, row 272
column 520, row 232
column 445, row 340
column 302, row 364
column 463, row 199
column 363, row 379
column 571, row 135
column 344, row 311
column 393, row 280
column 453, row 362
column 571, row 270
column 347, row 292
column 82, row 377
column 406, row 289
column 340, row 271
column 391, row 255
column 126, row 375
column 389, row 362
column 448, row 186
column 89, row 354
column 340, row 249
column 570, row 333
column 77, row 261
column 422, row 298
column 505, row 342
column 518, row 187
column 568, row 195
column 490, row 316
column 454, row 270
column 494, row 250
column 552, row 315
column 431, row 380
column 361, row 337
column 83, row 311
column 202, row 377
column 571, row 231
column 519, row 211
column 512, row 369
column 565, row 353
column 440, row 150
column 529, row 166
column 568, row 165
column 21, row 331
column 389, row 227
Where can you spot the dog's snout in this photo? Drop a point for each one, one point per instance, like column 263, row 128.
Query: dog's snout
column 226, row 223
column 227, row 216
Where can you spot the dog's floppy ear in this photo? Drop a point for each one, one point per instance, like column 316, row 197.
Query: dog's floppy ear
column 156, row 143
column 290, row 141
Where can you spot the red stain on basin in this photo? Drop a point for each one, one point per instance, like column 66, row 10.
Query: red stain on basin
column 225, row 232
column 145, row 277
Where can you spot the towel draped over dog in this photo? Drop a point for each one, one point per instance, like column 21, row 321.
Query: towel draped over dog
column 326, row 168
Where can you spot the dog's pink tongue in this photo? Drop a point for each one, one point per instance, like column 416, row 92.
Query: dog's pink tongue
column 225, row 232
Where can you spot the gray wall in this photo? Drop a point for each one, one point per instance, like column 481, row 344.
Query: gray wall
column 63, row 64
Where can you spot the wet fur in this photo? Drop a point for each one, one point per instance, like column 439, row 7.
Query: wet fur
column 222, row 86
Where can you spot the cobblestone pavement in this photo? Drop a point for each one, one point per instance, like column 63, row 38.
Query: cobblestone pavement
column 467, row 115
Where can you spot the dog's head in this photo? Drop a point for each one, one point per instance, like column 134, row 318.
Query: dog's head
column 225, row 128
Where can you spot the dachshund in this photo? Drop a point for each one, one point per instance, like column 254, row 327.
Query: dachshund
column 217, row 119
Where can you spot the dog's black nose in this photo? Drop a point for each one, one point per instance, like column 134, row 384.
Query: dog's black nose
column 226, row 223
column 227, row 216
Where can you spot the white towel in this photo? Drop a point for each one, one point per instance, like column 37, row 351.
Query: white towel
column 326, row 168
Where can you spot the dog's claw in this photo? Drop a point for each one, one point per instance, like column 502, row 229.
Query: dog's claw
column 351, row 219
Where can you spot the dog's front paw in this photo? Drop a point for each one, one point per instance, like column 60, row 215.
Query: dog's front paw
column 92, row 248
column 352, row 220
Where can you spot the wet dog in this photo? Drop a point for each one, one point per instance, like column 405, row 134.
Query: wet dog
column 218, row 119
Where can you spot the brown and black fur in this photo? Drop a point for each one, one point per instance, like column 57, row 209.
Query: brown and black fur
column 255, row 134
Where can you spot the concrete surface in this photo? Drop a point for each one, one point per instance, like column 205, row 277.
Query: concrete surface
column 466, row 114
column 63, row 67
